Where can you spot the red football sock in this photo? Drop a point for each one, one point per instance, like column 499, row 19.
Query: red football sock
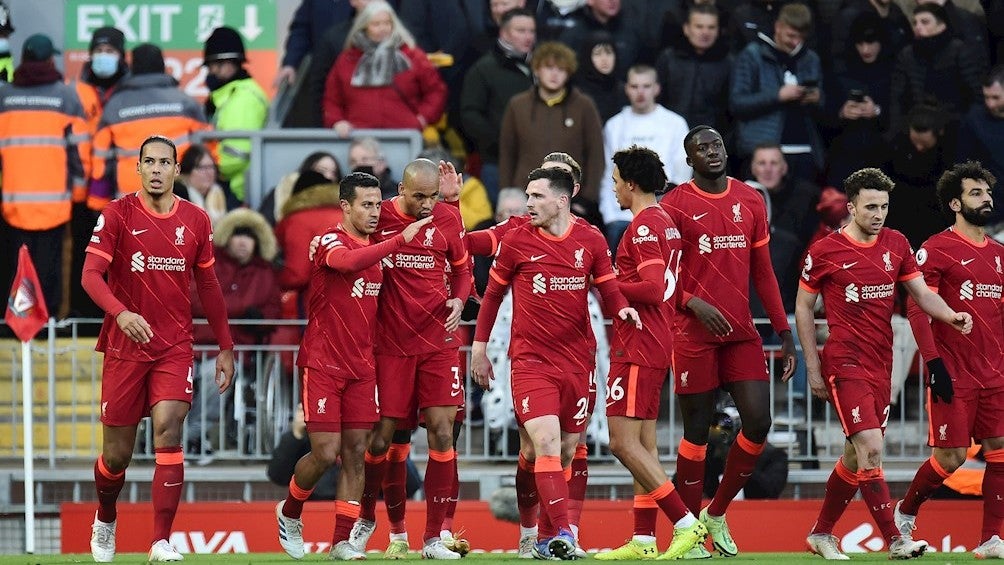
column 293, row 507
column 927, row 480
column 690, row 474
column 376, row 468
column 346, row 513
column 451, row 507
column 108, row 485
column 438, row 486
column 840, row 489
column 526, row 493
column 168, row 475
column 669, row 501
column 646, row 512
column 577, row 484
column 395, row 486
column 553, row 490
column 875, row 491
column 739, row 466
column 993, row 491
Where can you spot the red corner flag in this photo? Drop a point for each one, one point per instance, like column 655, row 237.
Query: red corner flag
column 26, row 311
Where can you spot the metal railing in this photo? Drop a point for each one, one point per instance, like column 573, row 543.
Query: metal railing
column 265, row 393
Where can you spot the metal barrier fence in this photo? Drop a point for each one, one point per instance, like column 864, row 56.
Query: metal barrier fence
column 244, row 425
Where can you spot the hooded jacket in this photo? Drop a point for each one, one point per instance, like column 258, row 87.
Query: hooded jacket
column 305, row 214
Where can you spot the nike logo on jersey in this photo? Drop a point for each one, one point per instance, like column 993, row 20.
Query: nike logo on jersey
column 387, row 232
column 691, row 483
column 555, row 501
column 137, row 232
column 537, row 257
column 455, row 393
column 699, row 216
column 849, row 265
column 966, row 261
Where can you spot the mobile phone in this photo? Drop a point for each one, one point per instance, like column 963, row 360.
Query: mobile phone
column 856, row 95
column 810, row 84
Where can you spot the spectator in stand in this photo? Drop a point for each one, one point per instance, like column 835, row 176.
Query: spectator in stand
column 647, row 124
column 994, row 11
column 776, row 93
column 675, row 14
column 320, row 162
column 294, row 444
column 556, row 16
column 793, row 218
column 596, row 77
column 243, row 247
column 99, row 77
column 382, row 80
column 366, row 156
column 148, row 99
column 491, row 82
column 982, row 133
column 887, row 19
column 487, row 32
column 935, row 64
column 750, row 19
column 551, row 114
column 967, row 27
column 310, row 21
column 198, row 180
column 856, row 96
column 6, row 58
column 917, row 158
column 37, row 178
column 694, row 75
column 312, row 207
column 621, row 19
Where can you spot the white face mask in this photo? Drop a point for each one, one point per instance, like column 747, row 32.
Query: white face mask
column 104, row 65
column 4, row 45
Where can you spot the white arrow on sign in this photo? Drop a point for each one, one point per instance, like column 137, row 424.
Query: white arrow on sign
column 251, row 30
column 861, row 540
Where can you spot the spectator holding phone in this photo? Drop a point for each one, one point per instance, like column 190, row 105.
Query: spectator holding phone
column 776, row 93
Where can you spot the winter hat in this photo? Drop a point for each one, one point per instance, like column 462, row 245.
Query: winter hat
column 108, row 36
column 147, row 59
column 38, row 48
column 222, row 45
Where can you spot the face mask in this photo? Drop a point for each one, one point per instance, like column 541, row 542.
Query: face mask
column 104, row 65
column 4, row 45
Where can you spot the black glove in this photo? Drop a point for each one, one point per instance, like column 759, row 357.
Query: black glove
column 939, row 381
column 253, row 313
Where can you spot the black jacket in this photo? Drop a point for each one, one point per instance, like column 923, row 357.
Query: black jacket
column 696, row 86
column 489, row 85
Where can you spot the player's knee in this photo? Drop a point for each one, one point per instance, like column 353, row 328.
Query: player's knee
column 327, row 452
column 950, row 459
column 623, row 447
column 441, row 438
column 116, row 460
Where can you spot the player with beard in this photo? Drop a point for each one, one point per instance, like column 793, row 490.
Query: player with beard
column 965, row 372
column 723, row 223
column 856, row 270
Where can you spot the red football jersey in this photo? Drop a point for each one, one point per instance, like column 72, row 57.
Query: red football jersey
column 719, row 232
column 650, row 239
column 858, row 282
column 969, row 277
column 341, row 325
column 550, row 283
column 412, row 308
column 152, row 257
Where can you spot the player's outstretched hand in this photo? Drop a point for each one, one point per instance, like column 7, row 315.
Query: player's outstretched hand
column 315, row 242
column 412, row 229
column 225, row 369
column 134, row 326
column 712, row 319
column 939, row 381
column 788, row 353
column 963, row 321
column 456, row 307
column 481, row 367
column 450, row 182
column 631, row 313
column 816, row 384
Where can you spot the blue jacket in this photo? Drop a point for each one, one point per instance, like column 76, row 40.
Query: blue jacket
column 756, row 77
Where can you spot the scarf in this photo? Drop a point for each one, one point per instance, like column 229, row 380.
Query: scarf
column 380, row 61
column 34, row 73
column 521, row 60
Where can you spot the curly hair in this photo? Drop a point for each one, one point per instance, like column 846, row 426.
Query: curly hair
column 950, row 183
column 557, row 54
column 867, row 179
column 641, row 166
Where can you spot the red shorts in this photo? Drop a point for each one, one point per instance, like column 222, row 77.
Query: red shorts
column 703, row 366
column 633, row 391
column 860, row 403
column 974, row 413
column 130, row 388
column 332, row 402
column 408, row 384
column 566, row 396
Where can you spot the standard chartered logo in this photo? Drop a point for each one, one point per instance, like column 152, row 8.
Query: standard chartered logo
column 361, row 288
column 539, row 284
column 704, row 244
column 966, row 290
column 138, row 262
column 851, row 293
column 357, row 288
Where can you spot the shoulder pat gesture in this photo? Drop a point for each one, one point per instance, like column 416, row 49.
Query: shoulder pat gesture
column 412, row 229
